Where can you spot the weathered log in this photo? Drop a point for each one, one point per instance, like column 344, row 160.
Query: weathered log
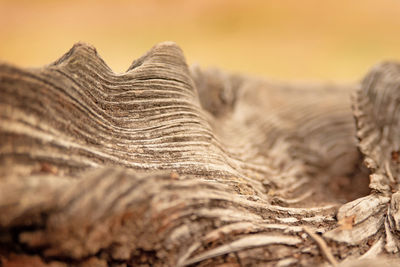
column 169, row 166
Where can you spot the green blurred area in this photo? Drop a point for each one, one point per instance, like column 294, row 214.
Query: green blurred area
column 293, row 40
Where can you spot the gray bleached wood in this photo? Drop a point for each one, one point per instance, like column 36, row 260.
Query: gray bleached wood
column 167, row 165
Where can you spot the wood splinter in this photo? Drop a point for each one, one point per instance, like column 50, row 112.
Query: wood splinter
column 322, row 246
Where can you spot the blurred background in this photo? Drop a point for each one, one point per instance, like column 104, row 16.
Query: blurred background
column 334, row 40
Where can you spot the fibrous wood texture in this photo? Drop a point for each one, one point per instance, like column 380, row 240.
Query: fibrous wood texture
column 166, row 165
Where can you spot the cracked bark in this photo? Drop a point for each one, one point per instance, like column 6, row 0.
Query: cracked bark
column 166, row 165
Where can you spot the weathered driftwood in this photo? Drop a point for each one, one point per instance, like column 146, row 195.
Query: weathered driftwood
column 169, row 166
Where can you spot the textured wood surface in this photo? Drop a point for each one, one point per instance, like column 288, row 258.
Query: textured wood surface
column 166, row 165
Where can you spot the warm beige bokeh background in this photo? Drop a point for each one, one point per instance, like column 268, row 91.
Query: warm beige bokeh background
column 281, row 39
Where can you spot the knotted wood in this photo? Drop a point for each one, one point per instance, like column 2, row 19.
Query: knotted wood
column 166, row 165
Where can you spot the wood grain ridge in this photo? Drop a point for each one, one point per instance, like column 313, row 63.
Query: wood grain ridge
column 166, row 165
